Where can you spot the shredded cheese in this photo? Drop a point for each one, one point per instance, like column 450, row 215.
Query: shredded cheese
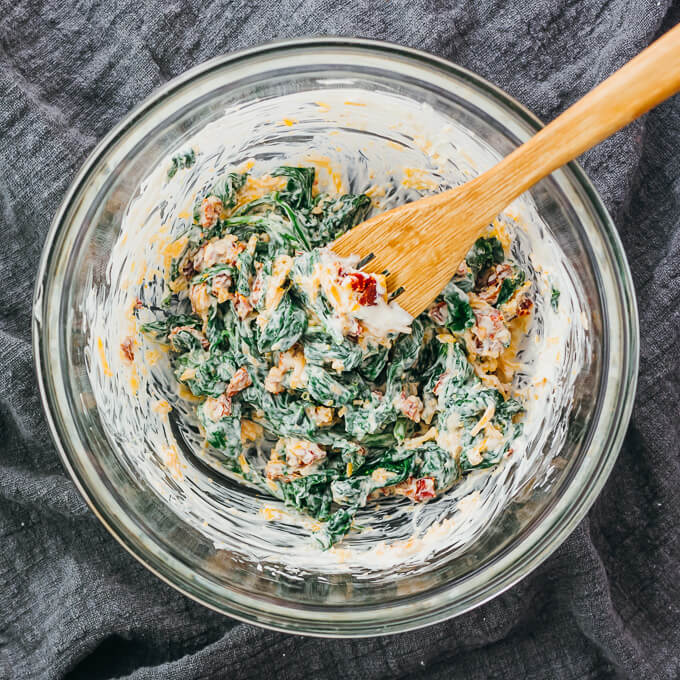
column 102, row 358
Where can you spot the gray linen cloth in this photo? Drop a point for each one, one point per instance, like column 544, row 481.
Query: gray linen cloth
column 74, row 604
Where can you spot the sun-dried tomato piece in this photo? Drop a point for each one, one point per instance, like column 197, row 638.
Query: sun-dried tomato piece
column 439, row 313
column 211, row 207
column 410, row 406
column 524, row 307
column 491, row 286
column 366, row 286
column 417, row 490
column 126, row 347
column 239, row 381
column 424, row 489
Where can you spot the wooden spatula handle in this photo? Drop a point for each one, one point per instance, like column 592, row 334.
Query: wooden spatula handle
column 639, row 85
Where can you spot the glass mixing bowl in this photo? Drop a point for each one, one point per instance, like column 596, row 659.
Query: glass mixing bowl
column 529, row 527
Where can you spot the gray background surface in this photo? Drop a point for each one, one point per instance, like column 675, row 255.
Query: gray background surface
column 74, row 604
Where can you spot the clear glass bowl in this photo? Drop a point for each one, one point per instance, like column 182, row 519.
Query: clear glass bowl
column 74, row 261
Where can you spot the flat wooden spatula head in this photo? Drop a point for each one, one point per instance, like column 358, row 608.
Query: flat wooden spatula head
column 420, row 244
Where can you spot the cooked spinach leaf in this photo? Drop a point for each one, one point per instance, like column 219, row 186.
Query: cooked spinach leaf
column 484, row 253
column 181, row 161
column 554, row 298
column 509, row 286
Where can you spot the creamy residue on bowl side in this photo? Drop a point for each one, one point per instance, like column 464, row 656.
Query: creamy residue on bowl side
column 411, row 414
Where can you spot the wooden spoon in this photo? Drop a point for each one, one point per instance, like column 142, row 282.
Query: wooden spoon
column 422, row 243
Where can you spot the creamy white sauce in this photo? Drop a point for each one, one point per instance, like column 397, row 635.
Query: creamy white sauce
column 385, row 318
column 426, row 152
column 380, row 319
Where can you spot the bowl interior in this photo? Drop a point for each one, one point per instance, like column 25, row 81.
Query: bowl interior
column 376, row 110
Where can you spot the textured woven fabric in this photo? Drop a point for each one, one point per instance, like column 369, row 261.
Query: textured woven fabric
column 74, row 604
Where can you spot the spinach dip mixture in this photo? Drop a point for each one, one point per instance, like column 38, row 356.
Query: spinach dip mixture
column 314, row 385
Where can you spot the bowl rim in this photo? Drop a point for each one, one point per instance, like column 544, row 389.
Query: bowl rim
column 541, row 547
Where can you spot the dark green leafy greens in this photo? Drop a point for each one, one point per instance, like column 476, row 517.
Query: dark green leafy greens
column 181, row 161
column 509, row 286
column 484, row 253
column 343, row 416
column 554, row 298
